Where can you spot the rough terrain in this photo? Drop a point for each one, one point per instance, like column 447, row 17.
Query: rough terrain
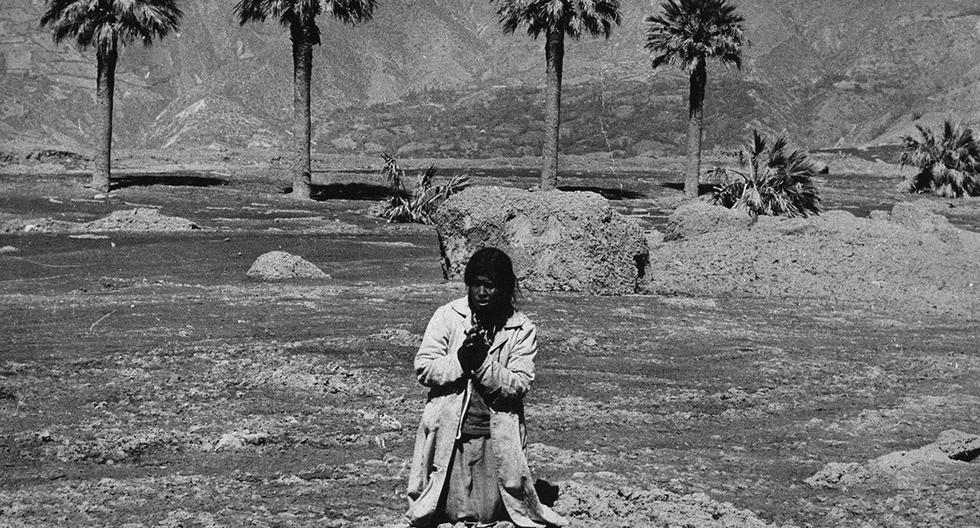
column 145, row 380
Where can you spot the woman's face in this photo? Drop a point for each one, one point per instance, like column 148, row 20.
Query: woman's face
column 485, row 295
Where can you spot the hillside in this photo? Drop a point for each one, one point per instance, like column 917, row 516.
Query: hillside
column 434, row 77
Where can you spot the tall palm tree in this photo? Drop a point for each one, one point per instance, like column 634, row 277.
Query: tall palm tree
column 556, row 19
column 687, row 33
column 300, row 17
column 104, row 25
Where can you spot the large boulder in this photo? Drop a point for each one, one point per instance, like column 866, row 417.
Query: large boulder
column 280, row 265
column 559, row 241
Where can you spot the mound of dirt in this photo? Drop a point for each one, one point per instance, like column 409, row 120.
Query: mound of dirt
column 591, row 505
column 559, row 241
column 39, row 225
column 951, row 450
column 279, row 265
column 143, row 219
column 697, row 218
column 908, row 258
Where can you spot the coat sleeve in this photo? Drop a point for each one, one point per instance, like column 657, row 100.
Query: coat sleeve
column 435, row 364
column 509, row 383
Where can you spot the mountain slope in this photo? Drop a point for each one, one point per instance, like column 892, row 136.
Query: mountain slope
column 438, row 77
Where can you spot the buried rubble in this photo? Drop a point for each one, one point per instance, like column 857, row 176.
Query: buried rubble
column 559, row 241
column 591, row 505
column 909, row 258
column 140, row 219
column 952, row 450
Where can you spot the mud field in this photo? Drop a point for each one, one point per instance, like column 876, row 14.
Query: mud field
column 145, row 380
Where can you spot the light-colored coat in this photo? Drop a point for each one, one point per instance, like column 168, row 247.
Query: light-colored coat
column 506, row 376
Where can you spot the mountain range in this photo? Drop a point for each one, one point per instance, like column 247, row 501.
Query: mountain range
column 440, row 78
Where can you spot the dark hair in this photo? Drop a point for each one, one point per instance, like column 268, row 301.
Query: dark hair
column 496, row 266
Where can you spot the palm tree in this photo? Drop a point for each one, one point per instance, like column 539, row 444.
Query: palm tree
column 104, row 25
column 556, row 19
column 948, row 165
column 687, row 34
column 775, row 180
column 300, row 17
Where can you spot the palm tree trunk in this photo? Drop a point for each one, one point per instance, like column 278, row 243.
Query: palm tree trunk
column 554, row 52
column 105, row 86
column 695, row 128
column 301, row 36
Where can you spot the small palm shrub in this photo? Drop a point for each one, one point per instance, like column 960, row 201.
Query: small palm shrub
column 949, row 165
column 773, row 180
column 415, row 205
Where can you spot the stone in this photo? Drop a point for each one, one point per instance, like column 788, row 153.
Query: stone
column 280, row 265
column 958, row 445
column 559, row 241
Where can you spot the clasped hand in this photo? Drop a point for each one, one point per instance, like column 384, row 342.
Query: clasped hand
column 473, row 351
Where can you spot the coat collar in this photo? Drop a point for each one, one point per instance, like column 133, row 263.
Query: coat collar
column 462, row 307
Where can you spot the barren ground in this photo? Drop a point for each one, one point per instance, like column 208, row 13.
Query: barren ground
column 145, row 381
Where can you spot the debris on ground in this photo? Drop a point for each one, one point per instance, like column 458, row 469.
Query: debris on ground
column 953, row 449
column 910, row 257
column 559, row 241
column 280, row 265
column 140, row 219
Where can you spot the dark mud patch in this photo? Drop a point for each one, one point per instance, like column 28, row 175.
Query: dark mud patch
column 175, row 180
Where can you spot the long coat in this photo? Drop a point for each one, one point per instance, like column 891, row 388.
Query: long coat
column 505, row 376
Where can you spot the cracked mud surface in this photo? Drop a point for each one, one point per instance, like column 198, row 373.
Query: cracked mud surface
column 145, row 381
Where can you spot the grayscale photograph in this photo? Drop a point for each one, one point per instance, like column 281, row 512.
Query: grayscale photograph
column 489, row 263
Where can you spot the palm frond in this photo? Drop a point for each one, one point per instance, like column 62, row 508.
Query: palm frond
column 948, row 165
column 778, row 180
column 420, row 203
column 350, row 11
column 687, row 30
column 572, row 17
column 103, row 23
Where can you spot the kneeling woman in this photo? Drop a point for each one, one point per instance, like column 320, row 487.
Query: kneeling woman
column 477, row 358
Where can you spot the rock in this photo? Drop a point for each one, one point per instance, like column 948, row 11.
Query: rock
column 917, row 216
column 958, row 445
column 229, row 441
column 279, row 265
column 5, row 250
column 559, row 241
column 696, row 218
